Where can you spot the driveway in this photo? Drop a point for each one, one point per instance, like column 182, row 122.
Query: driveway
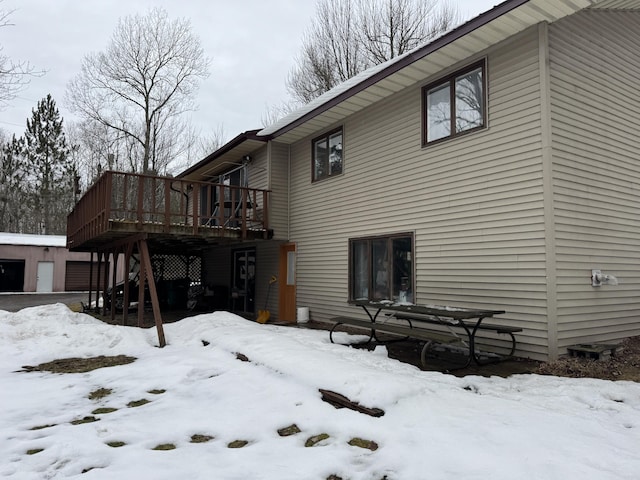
column 13, row 302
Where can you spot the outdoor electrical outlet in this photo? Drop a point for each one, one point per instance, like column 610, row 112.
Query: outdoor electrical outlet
column 596, row 278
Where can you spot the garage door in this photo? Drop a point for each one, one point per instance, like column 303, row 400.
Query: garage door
column 11, row 275
column 77, row 276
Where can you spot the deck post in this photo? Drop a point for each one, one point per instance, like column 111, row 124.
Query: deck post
column 194, row 209
column 105, row 283
column 127, row 266
column 243, row 214
column 91, row 279
column 97, row 309
column 107, row 200
column 167, row 205
column 140, row 211
column 145, row 261
column 113, row 284
column 142, row 275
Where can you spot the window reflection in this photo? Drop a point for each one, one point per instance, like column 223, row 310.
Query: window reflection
column 455, row 105
column 469, row 105
column 327, row 155
column 438, row 112
column 381, row 268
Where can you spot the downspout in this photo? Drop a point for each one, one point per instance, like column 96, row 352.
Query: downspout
column 548, row 191
column 269, row 160
column 289, row 192
column 186, row 195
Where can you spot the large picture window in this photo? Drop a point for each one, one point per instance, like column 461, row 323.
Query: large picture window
column 381, row 268
column 327, row 155
column 455, row 105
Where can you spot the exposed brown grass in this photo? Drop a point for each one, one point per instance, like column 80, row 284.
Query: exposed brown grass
column 79, row 365
column 623, row 366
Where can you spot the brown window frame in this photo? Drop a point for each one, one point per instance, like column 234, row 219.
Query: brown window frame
column 326, row 136
column 391, row 267
column 450, row 81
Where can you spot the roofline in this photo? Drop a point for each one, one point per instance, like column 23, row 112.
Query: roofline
column 29, row 240
column 455, row 34
column 227, row 147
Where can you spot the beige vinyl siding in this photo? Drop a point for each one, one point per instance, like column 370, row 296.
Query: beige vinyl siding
column 262, row 170
column 258, row 169
column 474, row 203
column 595, row 69
column 279, row 184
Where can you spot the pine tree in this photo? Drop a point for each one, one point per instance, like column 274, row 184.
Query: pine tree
column 13, row 207
column 51, row 170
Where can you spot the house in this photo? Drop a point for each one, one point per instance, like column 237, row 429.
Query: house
column 496, row 167
column 41, row 263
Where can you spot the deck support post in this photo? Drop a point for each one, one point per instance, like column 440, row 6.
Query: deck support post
column 98, row 280
column 146, row 274
column 91, row 281
column 114, row 252
column 142, row 276
column 128, row 251
column 105, row 283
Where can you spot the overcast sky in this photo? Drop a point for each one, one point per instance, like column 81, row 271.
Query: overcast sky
column 252, row 44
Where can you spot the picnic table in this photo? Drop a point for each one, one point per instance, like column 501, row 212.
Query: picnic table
column 431, row 324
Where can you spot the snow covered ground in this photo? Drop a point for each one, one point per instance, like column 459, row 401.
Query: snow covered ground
column 435, row 426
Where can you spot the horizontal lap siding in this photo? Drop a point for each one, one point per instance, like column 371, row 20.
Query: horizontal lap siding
column 279, row 185
column 257, row 169
column 595, row 69
column 474, row 203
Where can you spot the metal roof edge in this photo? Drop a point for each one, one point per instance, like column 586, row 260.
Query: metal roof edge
column 32, row 240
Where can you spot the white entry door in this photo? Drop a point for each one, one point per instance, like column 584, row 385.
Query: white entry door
column 44, row 282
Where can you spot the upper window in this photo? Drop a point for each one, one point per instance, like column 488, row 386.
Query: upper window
column 327, row 155
column 381, row 268
column 455, row 105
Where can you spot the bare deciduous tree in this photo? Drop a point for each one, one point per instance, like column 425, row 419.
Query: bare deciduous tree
column 393, row 27
column 96, row 148
column 201, row 146
column 213, row 140
column 331, row 51
column 142, row 83
column 274, row 113
column 349, row 36
column 14, row 75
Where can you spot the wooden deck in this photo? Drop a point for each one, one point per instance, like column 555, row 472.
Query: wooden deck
column 170, row 213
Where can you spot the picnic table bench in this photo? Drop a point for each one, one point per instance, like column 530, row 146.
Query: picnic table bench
column 431, row 324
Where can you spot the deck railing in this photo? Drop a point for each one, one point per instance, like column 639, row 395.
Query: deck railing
column 155, row 203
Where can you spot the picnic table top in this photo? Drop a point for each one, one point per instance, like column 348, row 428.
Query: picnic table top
column 458, row 313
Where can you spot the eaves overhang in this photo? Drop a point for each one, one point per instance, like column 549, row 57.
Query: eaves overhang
column 422, row 64
column 224, row 158
column 416, row 67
